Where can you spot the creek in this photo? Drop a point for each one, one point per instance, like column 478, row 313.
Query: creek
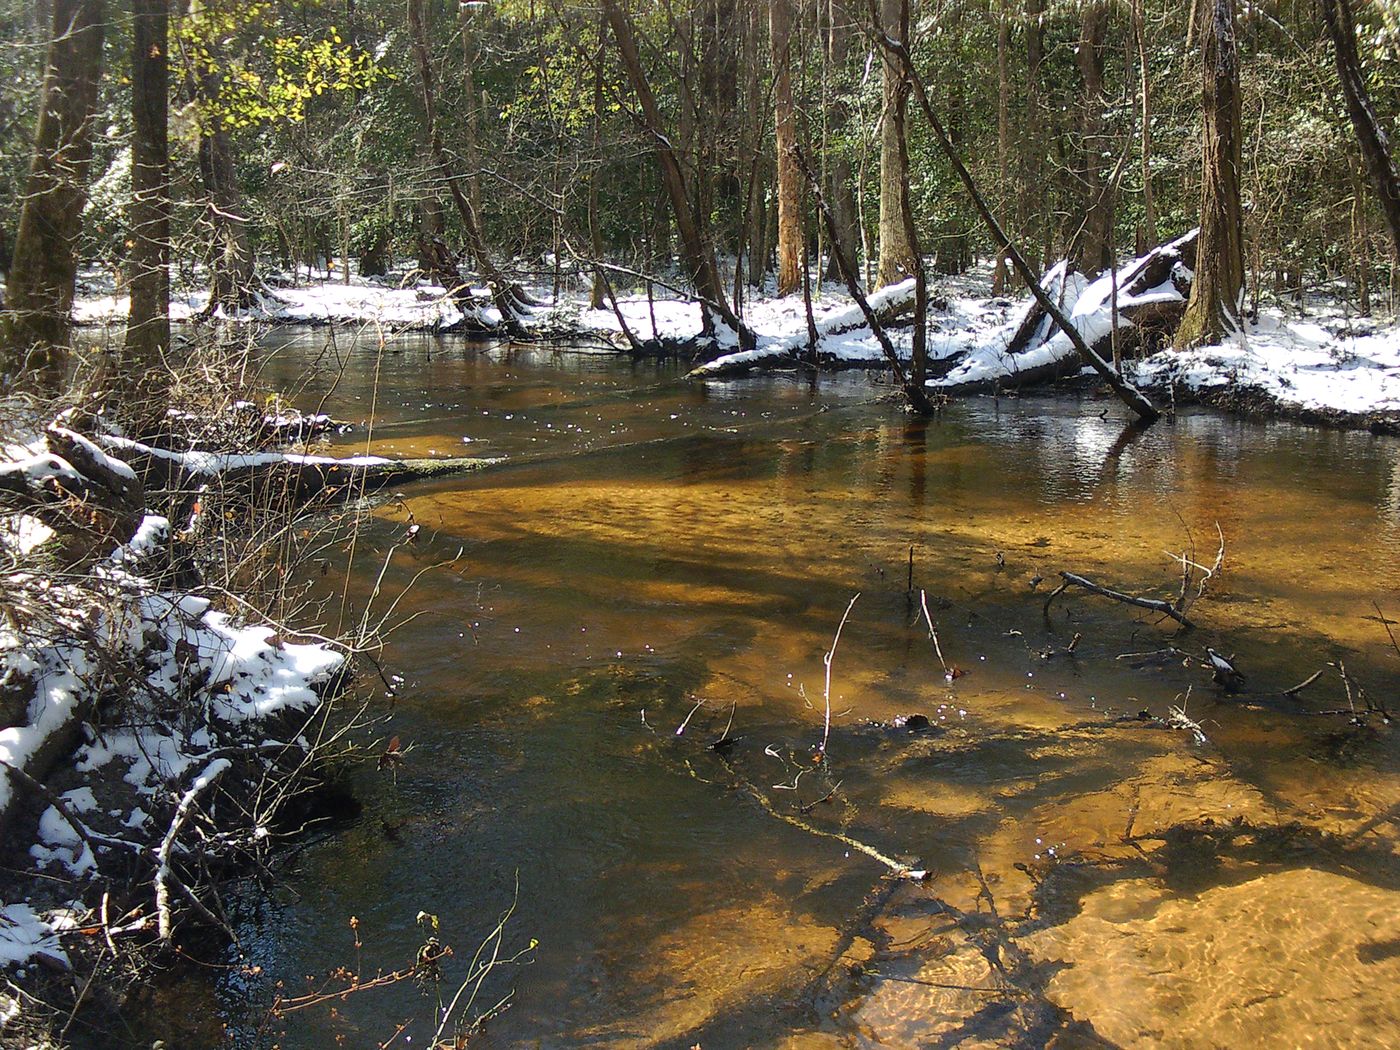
column 650, row 543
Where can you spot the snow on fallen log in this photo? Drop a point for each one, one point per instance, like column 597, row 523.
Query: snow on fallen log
column 301, row 476
column 94, row 501
column 1152, row 294
column 888, row 304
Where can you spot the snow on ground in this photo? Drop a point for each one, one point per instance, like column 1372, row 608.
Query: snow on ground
column 362, row 302
column 1301, row 365
column 195, row 682
column 1319, row 363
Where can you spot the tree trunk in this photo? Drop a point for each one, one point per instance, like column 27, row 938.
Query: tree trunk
column 1037, row 117
column 918, row 366
column 699, row 254
column 1147, row 235
column 1126, row 392
column 896, row 253
column 1375, row 146
column 232, row 285
column 791, row 246
column 1091, row 245
column 148, row 323
column 756, row 218
column 34, row 328
column 598, row 292
column 1003, row 130
column 1213, row 312
column 471, row 105
column 840, row 177
column 504, row 294
column 429, row 230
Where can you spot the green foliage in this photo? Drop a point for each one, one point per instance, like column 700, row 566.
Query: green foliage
column 255, row 72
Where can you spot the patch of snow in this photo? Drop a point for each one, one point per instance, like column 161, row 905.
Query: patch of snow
column 1299, row 364
column 24, row 934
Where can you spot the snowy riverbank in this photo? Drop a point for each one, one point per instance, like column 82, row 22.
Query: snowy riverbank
column 1323, row 363
column 146, row 736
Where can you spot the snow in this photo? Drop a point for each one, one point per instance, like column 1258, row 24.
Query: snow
column 40, row 467
column 1318, row 363
column 211, row 464
column 103, row 460
column 1299, row 364
column 372, row 302
column 24, row 934
column 202, row 682
column 23, row 533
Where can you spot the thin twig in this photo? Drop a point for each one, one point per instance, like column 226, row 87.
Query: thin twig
column 933, row 634
column 826, row 693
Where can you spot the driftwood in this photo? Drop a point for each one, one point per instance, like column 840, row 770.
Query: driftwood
column 1156, row 605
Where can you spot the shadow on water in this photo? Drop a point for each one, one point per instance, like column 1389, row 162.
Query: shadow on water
column 652, row 545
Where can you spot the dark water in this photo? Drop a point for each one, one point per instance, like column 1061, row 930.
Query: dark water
column 651, row 543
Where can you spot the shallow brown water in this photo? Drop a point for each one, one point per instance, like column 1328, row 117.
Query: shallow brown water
column 650, row 543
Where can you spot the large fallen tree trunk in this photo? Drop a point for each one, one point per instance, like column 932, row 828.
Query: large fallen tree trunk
column 1141, row 304
column 297, row 476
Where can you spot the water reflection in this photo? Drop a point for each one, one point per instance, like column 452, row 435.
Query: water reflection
column 650, row 543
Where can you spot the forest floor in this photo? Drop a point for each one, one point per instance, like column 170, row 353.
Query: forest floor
column 1318, row 360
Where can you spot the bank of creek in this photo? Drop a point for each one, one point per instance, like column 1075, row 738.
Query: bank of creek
column 1093, row 877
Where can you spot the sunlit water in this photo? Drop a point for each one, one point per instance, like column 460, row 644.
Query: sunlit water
column 650, row 543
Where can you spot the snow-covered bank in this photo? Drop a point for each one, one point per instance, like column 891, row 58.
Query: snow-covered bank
column 1331, row 372
column 118, row 691
column 1322, row 365
column 363, row 302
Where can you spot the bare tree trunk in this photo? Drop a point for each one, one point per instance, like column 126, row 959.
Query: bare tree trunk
column 1126, row 392
column 1370, row 134
column 755, row 217
column 1147, row 236
column 1213, row 312
column 918, row 365
column 699, row 254
column 232, row 284
column 504, row 295
column 471, row 125
column 896, row 253
column 916, row 395
column 1003, row 130
column 598, row 293
column 1091, row 244
column 1037, row 114
column 34, row 327
column 840, row 177
column 148, row 323
column 791, row 243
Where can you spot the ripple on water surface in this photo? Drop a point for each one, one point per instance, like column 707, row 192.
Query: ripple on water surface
column 652, row 544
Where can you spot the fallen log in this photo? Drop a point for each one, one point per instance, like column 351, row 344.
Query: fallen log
column 887, row 306
column 1151, row 297
column 92, row 501
column 301, row 477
